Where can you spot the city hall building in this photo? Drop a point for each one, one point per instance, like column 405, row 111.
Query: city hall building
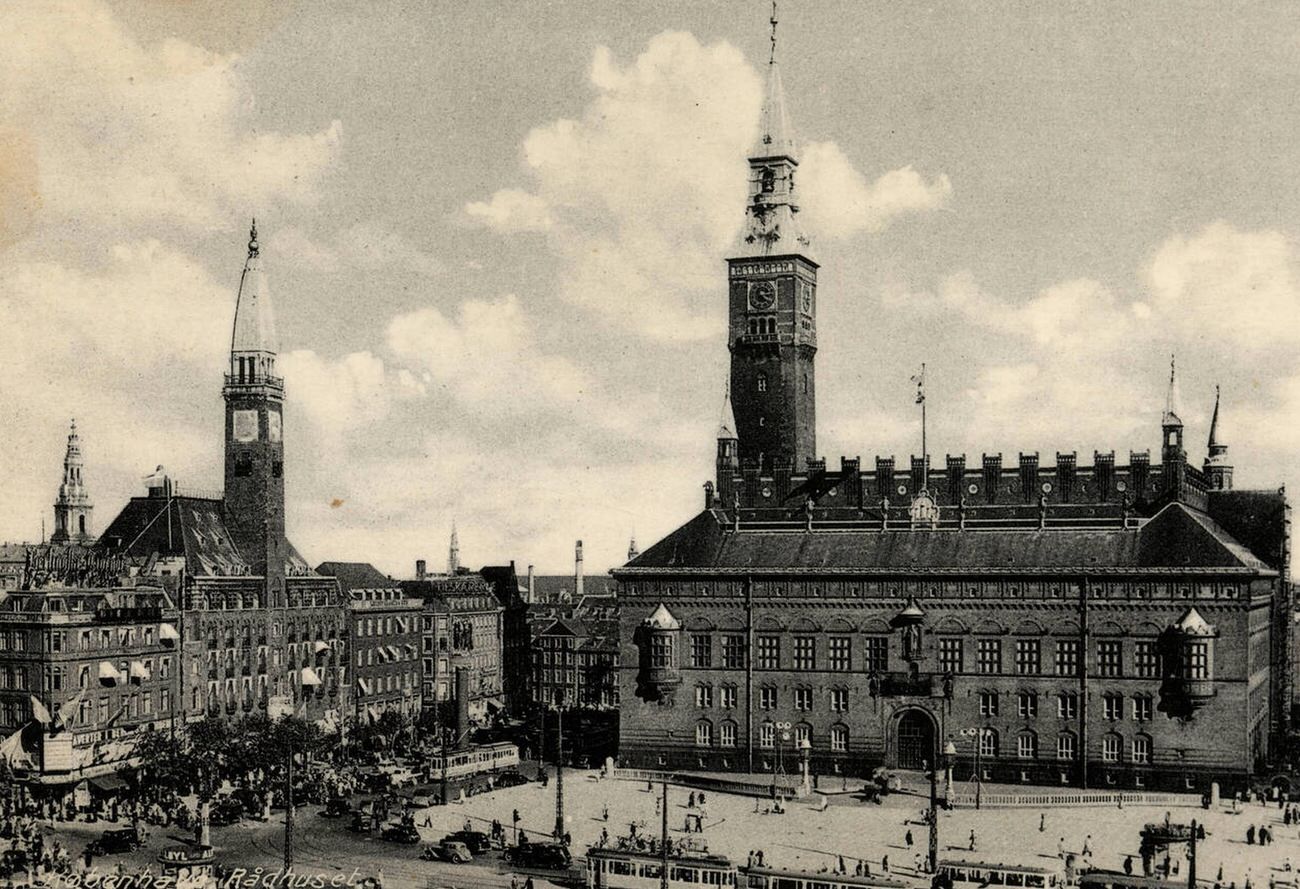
column 1118, row 623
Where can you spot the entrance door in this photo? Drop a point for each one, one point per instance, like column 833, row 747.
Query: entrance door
column 915, row 740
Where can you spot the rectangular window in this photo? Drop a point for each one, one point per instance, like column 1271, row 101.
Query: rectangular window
column 1142, row 750
column 839, row 739
column 704, row 696
column 805, row 653
column 701, row 650
column 988, row 703
column 1027, row 746
column 165, row 700
column 1112, row 706
column 1028, row 657
column 841, row 654
column 1067, row 657
column 727, row 734
column 1110, row 655
column 1067, row 705
column 1198, row 660
column 990, row 655
column 1110, row 748
column 950, row 655
column 1027, row 704
column 733, row 652
column 767, row 698
column 661, row 651
column 1065, row 747
column 803, row 699
column 728, row 694
column 1145, row 660
column 1143, row 708
column 767, row 735
column 877, row 648
column 769, row 652
column 839, row 700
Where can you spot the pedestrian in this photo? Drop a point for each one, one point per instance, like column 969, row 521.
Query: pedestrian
column 1060, row 848
column 528, row 883
column 1128, row 865
column 908, row 839
column 884, row 863
column 1250, row 835
column 972, row 841
column 1087, row 846
column 604, row 813
column 690, row 800
column 916, row 862
column 514, row 881
column 1042, row 821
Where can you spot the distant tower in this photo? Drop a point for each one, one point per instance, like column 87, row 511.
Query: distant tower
column 72, row 509
column 577, row 570
column 728, row 459
column 1218, row 468
column 1172, row 451
column 254, row 498
column 453, row 552
column 632, row 551
column 772, row 302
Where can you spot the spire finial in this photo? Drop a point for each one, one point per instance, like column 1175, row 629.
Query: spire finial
column 771, row 59
column 252, row 239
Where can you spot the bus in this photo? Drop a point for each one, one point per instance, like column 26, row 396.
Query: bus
column 959, row 873
column 612, row 868
column 763, row 877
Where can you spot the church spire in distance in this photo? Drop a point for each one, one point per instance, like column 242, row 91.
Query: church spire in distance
column 72, row 509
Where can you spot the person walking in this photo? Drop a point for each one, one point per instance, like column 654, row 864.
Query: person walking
column 1250, row 835
column 1042, row 821
column 1128, row 865
column 972, row 841
column 907, row 838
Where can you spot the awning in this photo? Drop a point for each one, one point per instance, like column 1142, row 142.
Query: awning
column 167, row 633
column 322, row 646
column 410, row 649
column 392, row 650
column 139, row 672
column 373, row 713
column 363, row 685
column 108, row 674
column 309, row 678
column 107, row 783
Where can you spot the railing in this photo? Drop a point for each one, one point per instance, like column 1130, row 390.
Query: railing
column 789, row 785
column 254, row 380
column 1112, row 799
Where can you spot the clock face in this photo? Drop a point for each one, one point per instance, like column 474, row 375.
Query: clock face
column 245, row 426
column 762, row 296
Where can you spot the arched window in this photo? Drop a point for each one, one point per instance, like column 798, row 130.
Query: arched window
column 727, row 734
column 769, row 180
column 1142, row 749
column 839, row 738
column 704, row 734
column 1066, row 747
column 989, row 743
column 762, row 382
column 802, row 732
column 1027, row 745
column 767, row 735
column 1112, row 746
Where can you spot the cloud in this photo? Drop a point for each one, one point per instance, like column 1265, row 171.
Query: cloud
column 121, row 132
column 356, row 390
column 643, row 193
column 839, row 202
column 366, row 246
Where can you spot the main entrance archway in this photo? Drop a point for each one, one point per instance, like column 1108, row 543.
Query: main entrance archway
column 914, row 739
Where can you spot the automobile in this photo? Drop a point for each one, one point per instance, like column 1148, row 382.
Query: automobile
column 225, row 810
column 545, row 855
column 510, row 779
column 401, row 833
column 116, row 840
column 362, row 822
column 477, row 841
column 400, row 776
column 447, row 850
column 336, row 807
column 15, row 861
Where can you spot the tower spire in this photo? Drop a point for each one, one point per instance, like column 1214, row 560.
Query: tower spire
column 1213, row 444
column 73, row 507
column 1173, row 401
column 1218, row 466
column 771, row 59
column 453, row 552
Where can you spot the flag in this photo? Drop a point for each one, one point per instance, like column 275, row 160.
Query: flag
column 919, row 379
column 39, row 711
column 116, row 716
column 12, row 752
column 68, row 712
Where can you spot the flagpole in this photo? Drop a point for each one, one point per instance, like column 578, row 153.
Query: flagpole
column 925, row 456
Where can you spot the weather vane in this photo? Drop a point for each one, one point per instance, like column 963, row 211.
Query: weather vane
column 771, row 59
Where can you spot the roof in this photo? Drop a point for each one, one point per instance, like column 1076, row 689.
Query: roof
column 775, row 136
column 356, row 576
column 548, row 587
column 1176, row 537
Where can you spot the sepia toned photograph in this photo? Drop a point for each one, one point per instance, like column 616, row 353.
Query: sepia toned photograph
column 413, row 471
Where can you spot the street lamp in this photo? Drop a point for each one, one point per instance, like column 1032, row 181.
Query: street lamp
column 977, row 741
column 949, row 759
column 805, row 753
column 784, row 735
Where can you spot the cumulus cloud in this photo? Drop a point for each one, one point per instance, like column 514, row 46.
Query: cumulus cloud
column 645, row 192
column 367, row 246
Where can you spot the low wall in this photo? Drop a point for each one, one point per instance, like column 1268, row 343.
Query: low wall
column 1113, row 799
column 787, row 785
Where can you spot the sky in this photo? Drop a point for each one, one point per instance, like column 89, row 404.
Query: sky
column 495, row 237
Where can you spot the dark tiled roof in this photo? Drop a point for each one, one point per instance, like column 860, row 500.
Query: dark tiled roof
column 1176, row 537
column 356, row 576
column 548, row 587
column 192, row 527
column 1256, row 518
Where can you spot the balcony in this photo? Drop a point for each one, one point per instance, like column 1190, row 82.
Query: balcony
column 898, row 685
column 1194, row 689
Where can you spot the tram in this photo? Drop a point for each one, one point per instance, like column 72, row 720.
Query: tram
column 612, row 868
column 1109, row 879
column 473, row 768
column 764, row 877
column 959, row 873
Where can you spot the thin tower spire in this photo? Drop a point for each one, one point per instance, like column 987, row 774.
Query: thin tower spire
column 919, row 379
column 771, row 59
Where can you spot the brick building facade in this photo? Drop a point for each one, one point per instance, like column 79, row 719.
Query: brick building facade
column 1123, row 623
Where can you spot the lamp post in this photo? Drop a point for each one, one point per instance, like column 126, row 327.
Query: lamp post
column 805, row 753
column 977, row 742
column 783, row 735
column 949, row 759
column 932, row 858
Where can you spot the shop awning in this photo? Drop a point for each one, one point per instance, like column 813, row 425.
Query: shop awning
column 309, row 678
column 167, row 633
column 109, row 674
column 322, row 646
column 363, row 685
column 139, row 672
column 107, row 783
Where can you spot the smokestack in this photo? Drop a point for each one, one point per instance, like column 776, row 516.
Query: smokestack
column 420, row 569
column 532, row 586
column 577, row 571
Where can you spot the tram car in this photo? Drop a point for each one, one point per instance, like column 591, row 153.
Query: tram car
column 609, row 868
column 473, row 769
column 960, row 873
column 1110, row 879
column 763, row 877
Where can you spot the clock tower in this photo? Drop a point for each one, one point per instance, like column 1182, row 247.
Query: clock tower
column 772, row 309
column 254, row 498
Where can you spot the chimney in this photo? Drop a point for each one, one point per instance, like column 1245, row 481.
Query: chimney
column 421, row 569
column 532, row 585
column 577, row 571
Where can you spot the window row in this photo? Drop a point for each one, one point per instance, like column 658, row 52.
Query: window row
column 727, row 735
column 1142, row 706
column 1067, row 747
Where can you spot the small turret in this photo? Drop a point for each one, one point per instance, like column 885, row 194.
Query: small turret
column 1218, row 467
column 1172, row 451
column 632, row 551
column 728, row 461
